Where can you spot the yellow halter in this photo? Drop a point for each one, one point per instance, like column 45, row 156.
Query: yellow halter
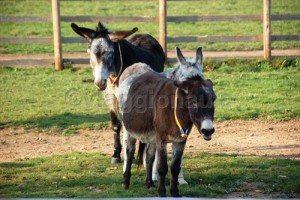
column 113, row 79
column 184, row 132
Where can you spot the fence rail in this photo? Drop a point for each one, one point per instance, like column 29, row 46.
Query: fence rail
column 82, row 59
column 232, row 18
column 162, row 19
column 49, row 40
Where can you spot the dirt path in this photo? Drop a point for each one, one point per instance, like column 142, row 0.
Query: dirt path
column 280, row 139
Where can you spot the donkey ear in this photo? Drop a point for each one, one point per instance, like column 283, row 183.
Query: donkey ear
column 180, row 57
column 119, row 35
column 186, row 86
column 87, row 33
column 199, row 56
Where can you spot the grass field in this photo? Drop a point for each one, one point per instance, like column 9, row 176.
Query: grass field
column 92, row 175
column 46, row 99
column 62, row 101
column 150, row 8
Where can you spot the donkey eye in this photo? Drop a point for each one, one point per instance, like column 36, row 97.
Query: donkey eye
column 100, row 54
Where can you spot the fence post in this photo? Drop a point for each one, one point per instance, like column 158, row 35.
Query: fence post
column 267, row 28
column 57, row 34
column 163, row 25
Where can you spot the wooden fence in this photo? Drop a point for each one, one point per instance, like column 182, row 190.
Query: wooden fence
column 162, row 19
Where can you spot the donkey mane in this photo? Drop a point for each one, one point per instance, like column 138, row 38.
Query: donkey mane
column 101, row 31
column 101, row 27
column 191, row 61
column 193, row 71
column 139, row 52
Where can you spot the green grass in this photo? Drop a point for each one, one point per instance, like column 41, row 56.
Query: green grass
column 47, row 99
column 61, row 100
column 92, row 175
column 150, row 8
column 253, row 89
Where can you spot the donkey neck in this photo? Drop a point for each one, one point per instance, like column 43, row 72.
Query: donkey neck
column 118, row 57
column 124, row 49
column 181, row 111
column 123, row 58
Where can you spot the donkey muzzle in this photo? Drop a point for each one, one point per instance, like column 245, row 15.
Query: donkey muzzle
column 101, row 85
column 207, row 133
column 207, row 129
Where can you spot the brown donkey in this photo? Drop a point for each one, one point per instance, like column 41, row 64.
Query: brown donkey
column 157, row 111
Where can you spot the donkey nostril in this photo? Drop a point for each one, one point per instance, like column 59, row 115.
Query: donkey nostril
column 101, row 85
column 208, row 131
column 103, row 82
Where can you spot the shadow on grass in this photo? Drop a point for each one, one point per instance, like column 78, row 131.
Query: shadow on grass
column 63, row 121
column 15, row 165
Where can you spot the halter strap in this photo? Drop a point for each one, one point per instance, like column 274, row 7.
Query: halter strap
column 183, row 132
column 113, row 79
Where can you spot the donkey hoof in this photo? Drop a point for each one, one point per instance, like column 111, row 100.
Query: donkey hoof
column 163, row 195
column 150, row 185
column 115, row 160
column 176, row 195
column 181, row 181
column 125, row 186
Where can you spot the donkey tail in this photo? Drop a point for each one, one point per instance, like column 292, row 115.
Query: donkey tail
column 140, row 156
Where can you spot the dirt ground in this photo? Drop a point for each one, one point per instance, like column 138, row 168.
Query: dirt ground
column 280, row 139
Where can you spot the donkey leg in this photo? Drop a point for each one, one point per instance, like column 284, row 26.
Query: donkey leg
column 113, row 105
column 150, row 154
column 154, row 169
column 125, row 141
column 181, row 179
column 162, row 167
column 116, row 127
column 130, row 149
column 177, row 152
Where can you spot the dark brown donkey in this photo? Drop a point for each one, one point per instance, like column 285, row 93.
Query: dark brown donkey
column 157, row 111
column 110, row 55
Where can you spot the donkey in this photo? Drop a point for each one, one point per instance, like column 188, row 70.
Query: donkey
column 182, row 71
column 157, row 111
column 110, row 55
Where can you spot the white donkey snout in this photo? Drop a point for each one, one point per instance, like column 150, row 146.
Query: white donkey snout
column 207, row 124
column 207, row 129
column 100, row 77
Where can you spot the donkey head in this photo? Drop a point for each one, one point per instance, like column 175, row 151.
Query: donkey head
column 200, row 101
column 102, row 50
column 188, row 68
